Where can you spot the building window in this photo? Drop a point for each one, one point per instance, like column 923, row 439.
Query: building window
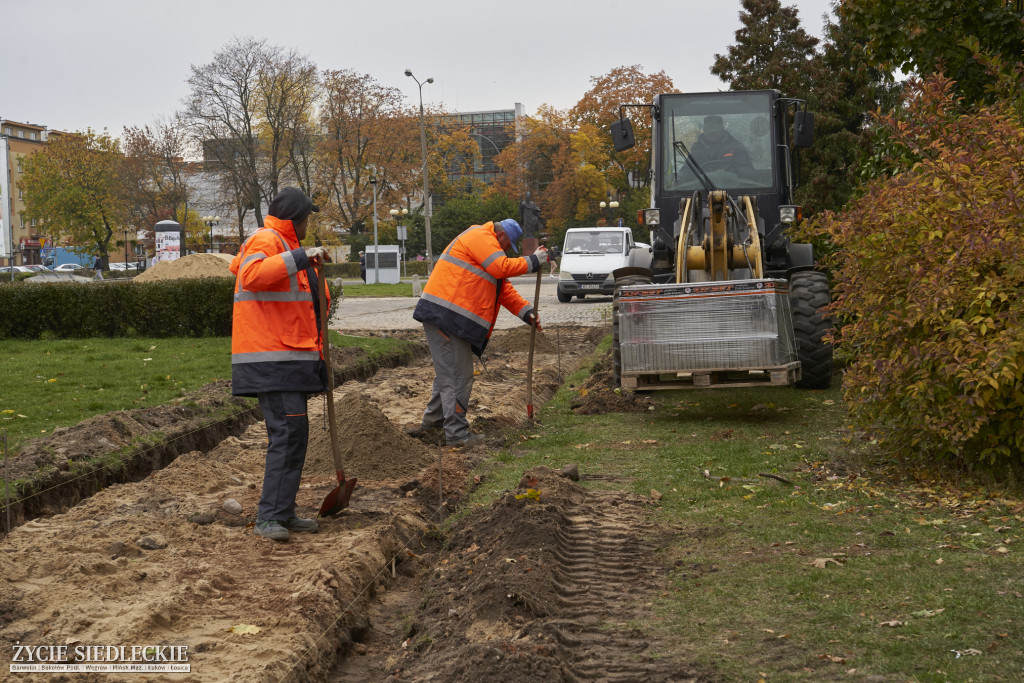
column 7, row 130
column 33, row 136
column 20, row 169
column 21, row 133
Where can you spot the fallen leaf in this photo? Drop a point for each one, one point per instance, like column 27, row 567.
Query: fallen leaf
column 928, row 613
column 833, row 658
column 892, row 624
column 244, row 628
column 823, row 562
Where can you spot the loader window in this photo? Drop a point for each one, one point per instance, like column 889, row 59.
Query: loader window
column 727, row 134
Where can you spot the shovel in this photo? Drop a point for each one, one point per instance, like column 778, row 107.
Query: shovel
column 533, row 339
column 337, row 499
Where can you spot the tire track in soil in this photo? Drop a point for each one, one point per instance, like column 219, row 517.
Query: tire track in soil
column 545, row 589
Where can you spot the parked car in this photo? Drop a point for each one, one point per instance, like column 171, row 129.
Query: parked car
column 6, row 270
column 67, row 268
column 36, row 268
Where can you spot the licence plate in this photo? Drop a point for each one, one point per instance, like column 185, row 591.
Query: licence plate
column 590, row 286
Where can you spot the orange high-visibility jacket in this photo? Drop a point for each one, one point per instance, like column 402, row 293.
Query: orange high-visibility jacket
column 275, row 332
column 468, row 285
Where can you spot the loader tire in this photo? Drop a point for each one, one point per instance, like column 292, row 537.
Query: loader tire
column 621, row 281
column 808, row 294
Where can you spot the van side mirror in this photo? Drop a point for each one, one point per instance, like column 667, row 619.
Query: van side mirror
column 622, row 135
column 803, row 129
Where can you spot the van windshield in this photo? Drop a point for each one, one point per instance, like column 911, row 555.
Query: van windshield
column 593, row 242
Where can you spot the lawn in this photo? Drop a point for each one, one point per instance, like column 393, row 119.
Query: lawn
column 855, row 568
column 58, row 383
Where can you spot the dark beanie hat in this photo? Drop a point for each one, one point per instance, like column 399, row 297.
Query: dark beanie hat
column 291, row 204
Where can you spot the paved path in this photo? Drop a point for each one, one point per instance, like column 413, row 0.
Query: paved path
column 395, row 313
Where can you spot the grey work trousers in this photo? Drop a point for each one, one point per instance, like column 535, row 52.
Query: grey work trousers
column 288, row 435
column 453, row 382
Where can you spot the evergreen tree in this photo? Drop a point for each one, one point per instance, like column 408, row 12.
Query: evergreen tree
column 772, row 51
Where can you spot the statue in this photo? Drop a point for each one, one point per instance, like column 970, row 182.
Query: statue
column 529, row 217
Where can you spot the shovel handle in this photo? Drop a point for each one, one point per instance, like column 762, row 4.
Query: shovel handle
column 533, row 339
column 325, row 339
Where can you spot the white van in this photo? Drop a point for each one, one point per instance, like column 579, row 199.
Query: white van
column 589, row 256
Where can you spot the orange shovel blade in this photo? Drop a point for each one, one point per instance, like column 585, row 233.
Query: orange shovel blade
column 337, row 500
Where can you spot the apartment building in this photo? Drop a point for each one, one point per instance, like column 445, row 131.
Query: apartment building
column 20, row 238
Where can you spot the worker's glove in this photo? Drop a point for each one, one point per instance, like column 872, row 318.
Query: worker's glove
column 543, row 255
column 533, row 319
column 317, row 255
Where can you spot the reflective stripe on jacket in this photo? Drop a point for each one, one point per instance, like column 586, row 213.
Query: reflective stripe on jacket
column 275, row 336
column 468, row 285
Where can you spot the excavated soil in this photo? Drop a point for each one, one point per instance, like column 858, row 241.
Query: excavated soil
column 191, row 266
column 538, row 587
column 599, row 393
column 543, row 586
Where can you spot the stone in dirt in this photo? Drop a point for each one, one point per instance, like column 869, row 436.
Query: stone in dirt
column 152, row 542
column 571, row 471
column 232, row 506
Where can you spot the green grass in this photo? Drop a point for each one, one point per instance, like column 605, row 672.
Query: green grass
column 745, row 598
column 400, row 289
column 59, row 383
column 375, row 347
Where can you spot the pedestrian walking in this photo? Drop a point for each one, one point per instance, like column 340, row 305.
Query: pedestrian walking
column 98, row 267
column 277, row 351
column 458, row 308
column 362, row 266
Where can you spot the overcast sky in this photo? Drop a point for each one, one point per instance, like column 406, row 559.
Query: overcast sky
column 75, row 64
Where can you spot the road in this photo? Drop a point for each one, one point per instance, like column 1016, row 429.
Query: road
column 395, row 313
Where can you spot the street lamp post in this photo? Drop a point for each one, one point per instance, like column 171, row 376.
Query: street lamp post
column 608, row 214
column 211, row 221
column 376, row 248
column 400, row 229
column 125, row 231
column 426, row 179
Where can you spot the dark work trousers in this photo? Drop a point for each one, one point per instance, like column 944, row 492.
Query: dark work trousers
column 288, row 434
column 453, row 382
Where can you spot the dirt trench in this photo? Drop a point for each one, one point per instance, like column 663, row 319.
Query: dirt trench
column 169, row 561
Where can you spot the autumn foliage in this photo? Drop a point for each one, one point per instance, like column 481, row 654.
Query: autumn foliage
column 930, row 283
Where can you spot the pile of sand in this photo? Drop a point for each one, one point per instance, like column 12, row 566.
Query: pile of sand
column 191, row 266
column 371, row 446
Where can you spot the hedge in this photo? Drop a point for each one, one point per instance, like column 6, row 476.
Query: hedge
column 168, row 308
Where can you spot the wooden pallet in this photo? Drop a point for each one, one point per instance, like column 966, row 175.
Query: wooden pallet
column 779, row 376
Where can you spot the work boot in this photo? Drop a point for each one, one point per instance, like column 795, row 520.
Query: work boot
column 465, row 441
column 300, row 524
column 272, row 529
column 421, row 431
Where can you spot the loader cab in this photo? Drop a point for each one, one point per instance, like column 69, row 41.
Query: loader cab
column 743, row 142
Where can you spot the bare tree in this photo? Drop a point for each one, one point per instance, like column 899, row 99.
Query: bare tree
column 223, row 110
column 155, row 173
column 288, row 87
column 366, row 132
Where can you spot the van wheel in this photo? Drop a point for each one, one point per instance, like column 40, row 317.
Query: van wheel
column 563, row 297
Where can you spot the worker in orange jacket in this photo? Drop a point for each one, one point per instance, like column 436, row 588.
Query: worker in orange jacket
column 277, row 351
column 458, row 308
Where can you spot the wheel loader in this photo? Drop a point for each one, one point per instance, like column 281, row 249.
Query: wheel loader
column 729, row 299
